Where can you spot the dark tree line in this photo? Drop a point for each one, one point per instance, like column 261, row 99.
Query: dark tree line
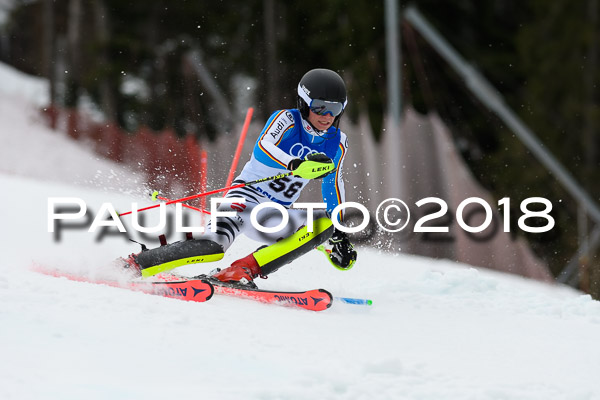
column 96, row 47
column 179, row 64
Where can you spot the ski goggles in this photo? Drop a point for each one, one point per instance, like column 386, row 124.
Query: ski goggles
column 324, row 107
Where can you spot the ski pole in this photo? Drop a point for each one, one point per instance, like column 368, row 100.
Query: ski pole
column 155, row 196
column 357, row 302
column 195, row 196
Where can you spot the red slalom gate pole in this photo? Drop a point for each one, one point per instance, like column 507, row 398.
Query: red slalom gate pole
column 203, row 163
column 240, row 145
column 203, row 179
column 225, row 189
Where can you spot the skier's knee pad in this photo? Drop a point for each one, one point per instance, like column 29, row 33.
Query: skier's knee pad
column 272, row 257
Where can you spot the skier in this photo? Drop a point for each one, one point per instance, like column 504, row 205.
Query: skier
column 306, row 141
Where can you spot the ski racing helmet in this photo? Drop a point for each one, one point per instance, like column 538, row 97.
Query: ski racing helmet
column 322, row 91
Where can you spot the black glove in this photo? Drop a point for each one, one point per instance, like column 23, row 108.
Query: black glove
column 314, row 159
column 342, row 254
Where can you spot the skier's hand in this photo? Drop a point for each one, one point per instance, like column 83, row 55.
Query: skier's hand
column 314, row 166
column 342, row 254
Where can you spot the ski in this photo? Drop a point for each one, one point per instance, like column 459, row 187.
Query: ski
column 189, row 290
column 201, row 288
column 198, row 290
column 313, row 300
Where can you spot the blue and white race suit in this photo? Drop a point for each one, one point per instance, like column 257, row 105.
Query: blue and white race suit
column 286, row 136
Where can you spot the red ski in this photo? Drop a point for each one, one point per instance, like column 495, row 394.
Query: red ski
column 199, row 290
column 314, row 300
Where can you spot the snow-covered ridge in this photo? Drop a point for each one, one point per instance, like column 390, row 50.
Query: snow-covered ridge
column 18, row 85
column 30, row 149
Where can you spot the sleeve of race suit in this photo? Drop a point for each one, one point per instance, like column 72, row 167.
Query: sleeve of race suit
column 266, row 150
column 332, row 187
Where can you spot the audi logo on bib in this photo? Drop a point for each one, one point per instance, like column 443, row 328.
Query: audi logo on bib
column 301, row 151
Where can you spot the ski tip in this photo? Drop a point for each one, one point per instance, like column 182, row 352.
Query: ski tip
column 329, row 295
column 212, row 288
column 154, row 195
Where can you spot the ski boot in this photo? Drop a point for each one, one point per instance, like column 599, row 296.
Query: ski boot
column 130, row 265
column 268, row 259
column 242, row 271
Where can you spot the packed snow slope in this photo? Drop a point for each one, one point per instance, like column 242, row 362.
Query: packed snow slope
column 436, row 329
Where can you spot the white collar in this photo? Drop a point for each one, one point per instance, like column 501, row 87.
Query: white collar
column 308, row 127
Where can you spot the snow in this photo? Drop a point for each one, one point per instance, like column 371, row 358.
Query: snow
column 436, row 330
